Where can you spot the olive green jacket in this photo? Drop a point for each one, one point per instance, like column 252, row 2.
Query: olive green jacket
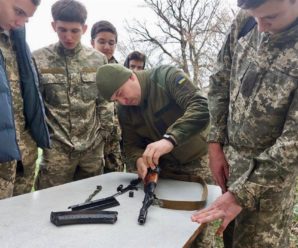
column 170, row 104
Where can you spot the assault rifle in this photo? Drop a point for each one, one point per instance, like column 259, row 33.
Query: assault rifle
column 150, row 183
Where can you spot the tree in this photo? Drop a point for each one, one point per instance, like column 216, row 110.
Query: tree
column 186, row 33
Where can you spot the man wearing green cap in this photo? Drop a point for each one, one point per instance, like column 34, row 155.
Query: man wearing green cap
column 163, row 116
column 164, row 120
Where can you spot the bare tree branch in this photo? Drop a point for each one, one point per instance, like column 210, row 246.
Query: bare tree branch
column 186, row 33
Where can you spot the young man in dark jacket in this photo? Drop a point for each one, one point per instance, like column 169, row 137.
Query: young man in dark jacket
column 22, row 123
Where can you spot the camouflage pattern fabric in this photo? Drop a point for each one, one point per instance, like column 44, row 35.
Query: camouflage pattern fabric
column 253, row 102
column 78, row 118
column 68, row 166
column 205, row 238
column 7, row 178
column 26, row 169
column 27, row 146
column 113, row 60
column 112, row 150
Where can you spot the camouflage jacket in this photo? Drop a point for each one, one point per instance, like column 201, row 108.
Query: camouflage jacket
column 22, row 121
column 77, row 118
column 253, row 102
column 112, row 150
column 170, row 104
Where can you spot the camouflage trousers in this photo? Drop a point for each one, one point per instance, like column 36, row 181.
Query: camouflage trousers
column 7, row 178
column 59, row 167
column 25, row 172
column 17, row 177
column 113, row 162
column 266, row 227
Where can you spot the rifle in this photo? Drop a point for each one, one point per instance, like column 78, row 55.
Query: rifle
column 150, row 183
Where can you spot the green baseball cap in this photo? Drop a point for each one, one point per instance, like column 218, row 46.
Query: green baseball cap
column 110, row 78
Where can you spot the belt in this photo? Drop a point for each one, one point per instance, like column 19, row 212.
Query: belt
column 184, row 205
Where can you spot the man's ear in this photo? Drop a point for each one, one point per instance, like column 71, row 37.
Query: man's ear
column 85, row 26
column 92, row 43
column 54, row 25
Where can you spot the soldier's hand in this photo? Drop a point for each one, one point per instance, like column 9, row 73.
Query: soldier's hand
column 155, row 150
column 218, row 165
column 225, row 208
column 142, row 168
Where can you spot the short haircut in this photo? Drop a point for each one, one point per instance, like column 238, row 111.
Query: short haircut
column 36, row 2
column 135, row 55
column 103, row 26
column 69, row 11
column 250, row 4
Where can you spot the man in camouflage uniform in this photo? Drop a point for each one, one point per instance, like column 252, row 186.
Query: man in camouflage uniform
column 104, row 38
column 22, row 121
column 253, row 103
column 79, row 121
column 164, row 120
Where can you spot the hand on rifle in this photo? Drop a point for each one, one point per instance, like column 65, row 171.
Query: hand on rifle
column 154, row 151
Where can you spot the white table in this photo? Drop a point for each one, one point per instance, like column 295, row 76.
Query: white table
column 25, row 220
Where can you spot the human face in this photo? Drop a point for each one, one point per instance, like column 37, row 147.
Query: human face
column 69, row 33
column 15, row 13
column 136, row 65
column 105, row 42
column 274, row 16
column 129, row 93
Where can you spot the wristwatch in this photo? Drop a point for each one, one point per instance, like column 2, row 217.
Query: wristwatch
column 170, row 138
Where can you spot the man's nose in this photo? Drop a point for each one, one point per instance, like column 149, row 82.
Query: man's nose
column 21, row 21
column 68, row 35
column 106, row 45
column 262, row 25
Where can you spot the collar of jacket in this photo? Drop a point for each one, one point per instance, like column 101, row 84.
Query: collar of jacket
column 4, row 35
column 113, row 60
column 68, row 52
column 289, row 34
column 144, row 80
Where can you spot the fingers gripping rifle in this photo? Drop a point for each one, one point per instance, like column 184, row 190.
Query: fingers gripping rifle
column 150, row 183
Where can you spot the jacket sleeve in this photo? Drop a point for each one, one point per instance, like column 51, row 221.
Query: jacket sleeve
column 218, row 96
column 276, row 167
column 196, row 115
column 112, row 152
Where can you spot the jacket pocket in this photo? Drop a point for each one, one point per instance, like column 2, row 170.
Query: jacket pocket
column 89, row 89
column 54, row 89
